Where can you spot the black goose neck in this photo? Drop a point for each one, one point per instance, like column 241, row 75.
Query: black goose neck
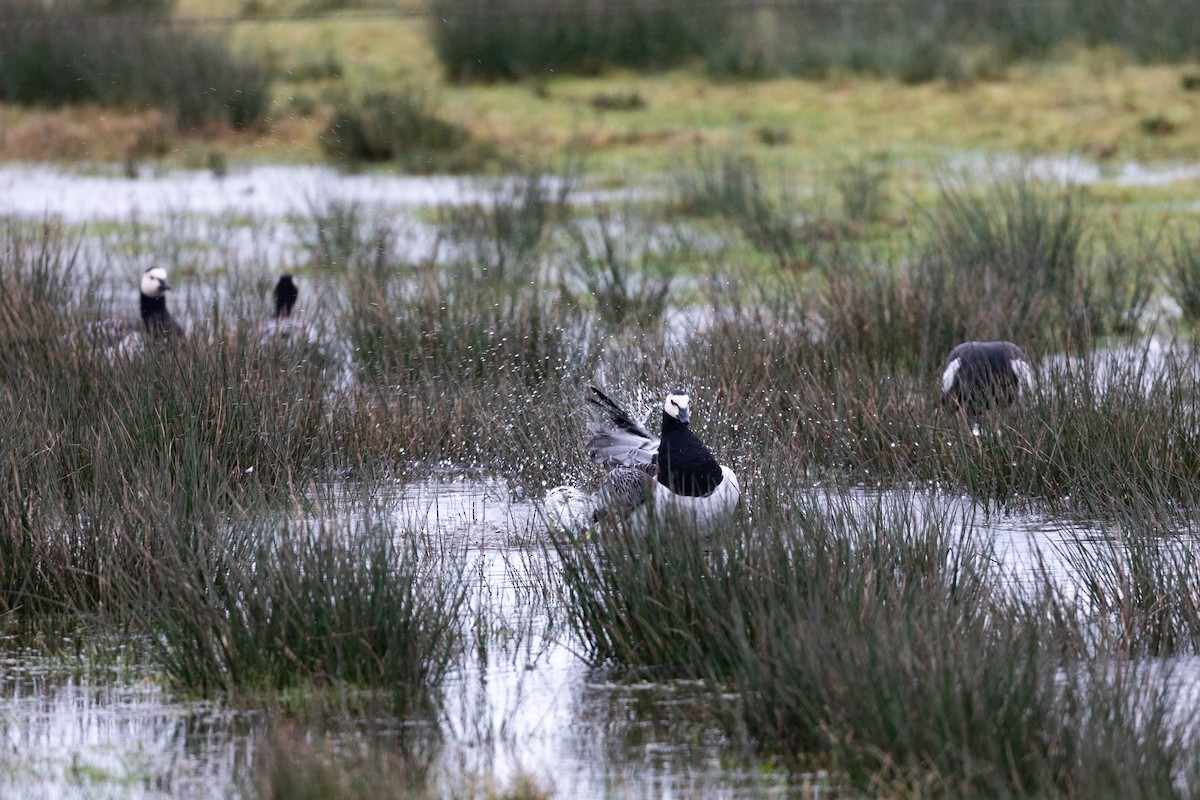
column 153, row 307
column 155, row 317
column 685, row 465
column 286, row 294
column 669, row 424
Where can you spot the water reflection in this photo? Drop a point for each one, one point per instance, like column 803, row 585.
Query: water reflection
column 69, row 734
column 521, row 703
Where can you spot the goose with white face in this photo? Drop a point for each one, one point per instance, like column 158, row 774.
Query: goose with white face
column 154, row 282
column 676, row 405
column 673, row 475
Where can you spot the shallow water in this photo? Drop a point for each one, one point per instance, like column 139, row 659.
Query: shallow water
column 1079, row 170
column 66, row 735
column 522, row 704
column 41, row 191
column 100, row 193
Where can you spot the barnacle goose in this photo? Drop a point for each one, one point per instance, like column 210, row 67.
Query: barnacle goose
column 126, row 336
column 284, row 327
column 285, row 294
column 673, row 473
column 979, row 376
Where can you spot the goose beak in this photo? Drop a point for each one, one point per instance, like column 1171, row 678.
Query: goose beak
column 166, row 287
column 684, row 416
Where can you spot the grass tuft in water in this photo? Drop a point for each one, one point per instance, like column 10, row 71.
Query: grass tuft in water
column 625, row 267
column 353, row 607
column 877, row 629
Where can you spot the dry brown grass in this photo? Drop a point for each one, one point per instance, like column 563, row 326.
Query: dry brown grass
column 84, row 132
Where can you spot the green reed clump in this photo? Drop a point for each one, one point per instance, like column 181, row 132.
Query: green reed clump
column 403, row 127
column 502, row 234
column 769, row 214
column 625, row 267
column 441, row 325
column 62, row 53
column 1011, row 260
column 199, row 430
column 877, row 629
column 1138, row 576
column 1014, row 247
column 507, row 40
column 1183, row 274
column 651, row 598
column 354, row 606
column 781, row 384
column 339, row 235
column 448, row 357
column 717, row 183
column 861, row 184
column 1120, row 287
column 879, row 633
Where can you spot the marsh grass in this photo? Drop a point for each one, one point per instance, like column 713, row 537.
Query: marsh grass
column 843, row 396
column 1121, row 285
column 915, row 41
column 1183, row 274
column 501, row 235
column 1015, row 247
column 352, row 606
column 1107, row 431
column 627, row 269
column 97, row 438
column 165, row 494
column 404, row 127
column 93, row 441
column 451, row 362
column 340, row 235
column 861, row 185
column 874, row 628
column 1010, row 258
column 1136, row 575
column 793, row 230
column 63, row 54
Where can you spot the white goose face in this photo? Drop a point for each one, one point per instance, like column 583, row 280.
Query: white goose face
column 676, row 405
column 154, row 282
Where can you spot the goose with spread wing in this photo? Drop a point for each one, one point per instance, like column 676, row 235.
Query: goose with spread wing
column 674, row 473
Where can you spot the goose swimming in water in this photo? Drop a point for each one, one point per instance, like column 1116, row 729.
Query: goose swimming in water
column 285, row 294
column 126, row 336
column 284, row 326
column 979, row 376
column 674, row 473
